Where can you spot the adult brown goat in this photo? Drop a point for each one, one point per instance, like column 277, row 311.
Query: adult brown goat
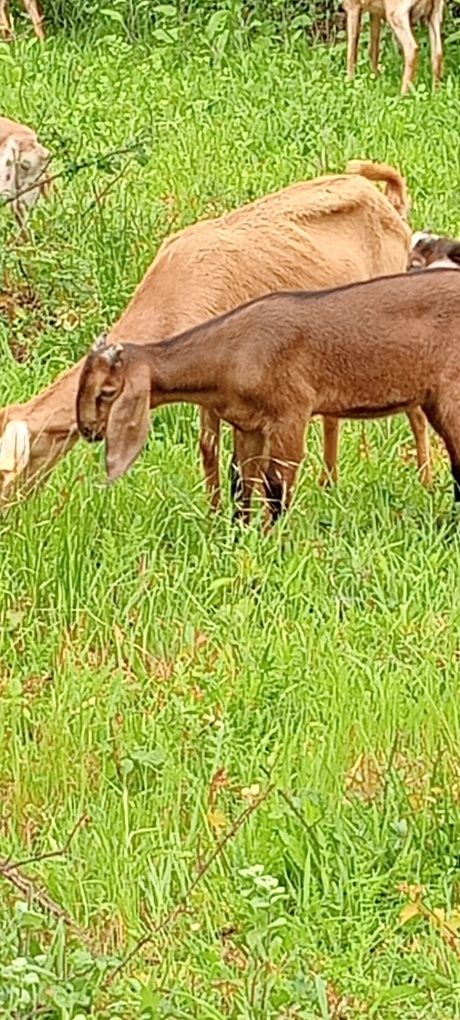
column 314, row 234
column 271, row 364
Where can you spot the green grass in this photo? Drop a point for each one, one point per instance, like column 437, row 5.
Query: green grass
column 143, row 649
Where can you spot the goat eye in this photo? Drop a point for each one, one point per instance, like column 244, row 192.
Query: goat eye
column 107, row 393
column 9, row 162
column 25, row 164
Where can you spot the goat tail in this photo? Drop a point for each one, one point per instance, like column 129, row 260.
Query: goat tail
column 395, row 191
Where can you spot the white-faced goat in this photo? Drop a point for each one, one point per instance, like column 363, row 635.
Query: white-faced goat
column 363, row 351
column 433, row 251
column 23, row 168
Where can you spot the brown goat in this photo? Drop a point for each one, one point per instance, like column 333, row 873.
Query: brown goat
column 311, row 235
column 400, row 15
column 271, row 364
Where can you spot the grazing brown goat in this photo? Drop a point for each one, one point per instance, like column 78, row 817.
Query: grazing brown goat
column 363, row 351
column 311, row 235
column 432, row 251
column 400, row 15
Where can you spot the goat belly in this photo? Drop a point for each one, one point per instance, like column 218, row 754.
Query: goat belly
column 380, row 411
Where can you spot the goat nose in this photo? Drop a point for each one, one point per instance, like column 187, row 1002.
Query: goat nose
column 91, row 433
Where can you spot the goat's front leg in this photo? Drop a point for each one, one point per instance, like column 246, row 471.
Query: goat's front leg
column 6, row 27
column 374, row 42
column 286, row 454
column 434, row 29
column 419, row 426
column 353, row 31
column 399, row 21
column 36, row 17
column 209, row 447
column 331, row 439
column 247, row 468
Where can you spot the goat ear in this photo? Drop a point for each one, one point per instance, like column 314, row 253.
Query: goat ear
column 128, row 424
column 454, row 254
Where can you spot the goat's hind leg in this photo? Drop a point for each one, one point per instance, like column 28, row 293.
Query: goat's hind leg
column 434, row 30
column 400, row 24
column 209, row 447
column 419, row 426
column 331, row 439
column 353, row 33
column 6, row 27
column 374, row 42
column 444, row 416
column 36, row 17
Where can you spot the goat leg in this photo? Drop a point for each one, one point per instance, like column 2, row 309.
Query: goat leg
column 434, row 29
column 6, row 27
column 374, row 42
column 209, row 447
column 419, row 426
column 247, row 469
column 331, row 438
column 444, row 417
column 400, row 23
column 353, row 33
column 36, row 17
column 286, row 454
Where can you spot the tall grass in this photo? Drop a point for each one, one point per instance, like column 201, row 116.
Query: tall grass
column 153, row 670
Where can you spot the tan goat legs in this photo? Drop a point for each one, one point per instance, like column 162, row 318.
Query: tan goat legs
column 400, row 23
column 331, row 438
column 419, row 426
column 353, row 32
column 374, row 42
column 209, row 447
column 434, row 29
column 6, row 28
column 36, row 17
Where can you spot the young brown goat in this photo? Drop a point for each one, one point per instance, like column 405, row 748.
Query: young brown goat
column 321, row 233
column 363, row 351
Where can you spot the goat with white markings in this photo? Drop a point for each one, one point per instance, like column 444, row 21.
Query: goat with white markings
column 433, row 251
column 23, row 165
column 270, row 365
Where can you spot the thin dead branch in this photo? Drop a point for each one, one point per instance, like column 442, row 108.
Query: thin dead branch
column 74, row 168
column 12, row 872
column 203, row 868
column 6, row 865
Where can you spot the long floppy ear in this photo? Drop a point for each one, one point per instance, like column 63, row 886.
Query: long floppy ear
column 128, row 424
column 453, row 253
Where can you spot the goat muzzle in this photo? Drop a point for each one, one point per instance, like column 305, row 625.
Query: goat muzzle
column 91, row 433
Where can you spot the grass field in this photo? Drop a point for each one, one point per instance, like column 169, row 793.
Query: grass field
column 157, row 678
